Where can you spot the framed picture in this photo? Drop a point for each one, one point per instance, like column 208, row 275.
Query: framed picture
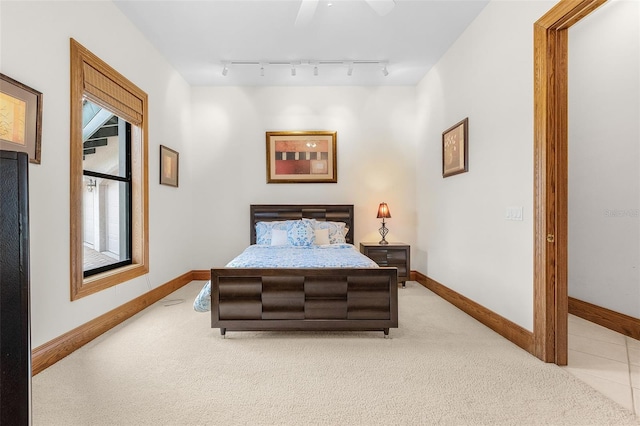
column 168, row 166
column 301, row 157
column 20, row 118
column 455, row 141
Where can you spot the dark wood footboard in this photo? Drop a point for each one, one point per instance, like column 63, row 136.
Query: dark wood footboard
column 244, row 299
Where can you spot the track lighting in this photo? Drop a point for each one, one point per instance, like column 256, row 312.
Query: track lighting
column 294, row 65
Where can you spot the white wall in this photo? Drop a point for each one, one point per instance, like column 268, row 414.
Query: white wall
column 375, row 146
column 604, row 158
column 464, row 241
column 34, row 49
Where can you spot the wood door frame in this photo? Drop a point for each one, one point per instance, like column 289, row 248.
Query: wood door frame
column 550, row 299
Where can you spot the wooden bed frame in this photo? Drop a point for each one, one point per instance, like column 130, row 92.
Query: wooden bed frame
column 254, row 299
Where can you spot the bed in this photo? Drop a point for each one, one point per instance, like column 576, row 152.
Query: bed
column 281, row 291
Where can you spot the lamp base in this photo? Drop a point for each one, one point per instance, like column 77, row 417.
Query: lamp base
column 383, row 232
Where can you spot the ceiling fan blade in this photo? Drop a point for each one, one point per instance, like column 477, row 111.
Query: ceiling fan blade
column 306, row 12
column 382, row 7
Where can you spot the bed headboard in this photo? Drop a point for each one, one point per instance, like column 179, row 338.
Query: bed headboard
column 320, row 212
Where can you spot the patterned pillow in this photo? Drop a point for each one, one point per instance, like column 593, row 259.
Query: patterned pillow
column 300, row 233
column 263, row 230
column 337, row 231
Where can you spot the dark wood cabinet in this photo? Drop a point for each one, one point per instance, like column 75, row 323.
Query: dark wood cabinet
column 396, row 255
column 15, row 340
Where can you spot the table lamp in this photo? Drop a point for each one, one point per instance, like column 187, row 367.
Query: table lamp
column 383, row 212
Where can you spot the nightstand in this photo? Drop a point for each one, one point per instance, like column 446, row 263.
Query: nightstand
column 393, row 254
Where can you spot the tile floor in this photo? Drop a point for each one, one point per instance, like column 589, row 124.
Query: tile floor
column 94, row 259
column 606, row 360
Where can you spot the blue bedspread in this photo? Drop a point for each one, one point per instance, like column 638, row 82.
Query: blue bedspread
column 329, row 256
column 260, row 256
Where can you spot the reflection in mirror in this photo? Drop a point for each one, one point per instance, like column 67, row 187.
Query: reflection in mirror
column 106, row 190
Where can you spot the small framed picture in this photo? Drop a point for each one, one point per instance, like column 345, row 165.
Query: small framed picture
column 455, row 141
column 301, row 157
column 168, row 166
column 20, row 118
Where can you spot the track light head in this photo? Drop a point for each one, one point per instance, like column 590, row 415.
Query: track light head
column 293, row 70
column 350, row 70
column 225, row 71
column 385, row 72
column 315, row 70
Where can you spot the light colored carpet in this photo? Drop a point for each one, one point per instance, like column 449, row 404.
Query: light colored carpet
column 166, row 366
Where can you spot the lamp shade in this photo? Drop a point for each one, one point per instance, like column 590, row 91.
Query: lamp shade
column 383, row 211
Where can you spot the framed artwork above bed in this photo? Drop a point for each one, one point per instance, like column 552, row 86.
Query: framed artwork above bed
column 301, row 157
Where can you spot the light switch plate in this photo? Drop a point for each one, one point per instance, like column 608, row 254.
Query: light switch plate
column 513, row 213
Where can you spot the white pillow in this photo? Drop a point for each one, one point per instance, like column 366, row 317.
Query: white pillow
column 279, row 237
column 337, row 231
column 322, row 237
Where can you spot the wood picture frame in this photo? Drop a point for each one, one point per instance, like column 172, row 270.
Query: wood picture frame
column 302, row 157
column 20, row 118
column 455, row 149
column 169, row 166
